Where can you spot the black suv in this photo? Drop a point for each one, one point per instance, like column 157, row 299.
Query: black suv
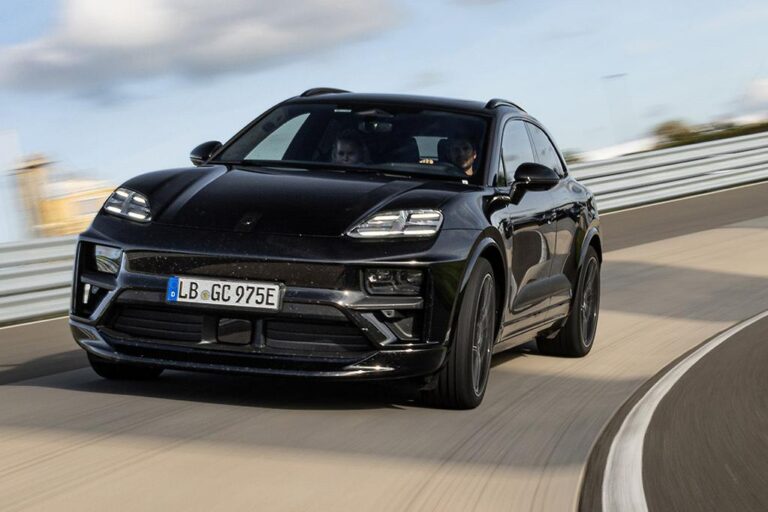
column 347, row 236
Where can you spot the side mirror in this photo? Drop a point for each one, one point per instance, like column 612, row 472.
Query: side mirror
column 203, row 152
column 536, row 176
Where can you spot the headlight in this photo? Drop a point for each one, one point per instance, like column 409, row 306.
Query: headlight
column 392, row 281
column 399, row 223
column 129, row 204
column 107, row 258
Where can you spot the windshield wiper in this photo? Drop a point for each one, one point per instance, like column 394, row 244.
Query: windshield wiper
column 390, row 170
column 327, row 166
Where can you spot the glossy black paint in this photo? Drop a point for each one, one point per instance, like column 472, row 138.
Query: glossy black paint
column 289, row 226
column 204, row 151
column 534, row 176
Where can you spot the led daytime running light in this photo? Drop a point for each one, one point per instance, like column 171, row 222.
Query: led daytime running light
column 402, row 223
column 128, row 204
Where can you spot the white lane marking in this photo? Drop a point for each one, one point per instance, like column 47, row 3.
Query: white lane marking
column 678, row 199
column 623, row 478
column 33, row 322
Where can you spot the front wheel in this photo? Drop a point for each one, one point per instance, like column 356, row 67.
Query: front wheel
column 462, row 381
column 122, row 371
column 577, row 336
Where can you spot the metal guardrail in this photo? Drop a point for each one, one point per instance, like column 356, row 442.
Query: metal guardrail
column 666, row 174
column 35, row 276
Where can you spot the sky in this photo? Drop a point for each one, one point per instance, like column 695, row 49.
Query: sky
column 113, row 89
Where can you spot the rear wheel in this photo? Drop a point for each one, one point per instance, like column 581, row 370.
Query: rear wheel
column 575, row 339
column 462, row 381
column 122, row 371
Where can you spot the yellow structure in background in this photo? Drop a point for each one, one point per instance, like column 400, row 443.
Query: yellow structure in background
column 61, row 207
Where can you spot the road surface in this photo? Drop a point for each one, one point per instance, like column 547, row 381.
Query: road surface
column 674, row 275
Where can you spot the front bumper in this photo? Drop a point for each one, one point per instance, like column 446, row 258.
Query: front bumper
column 358, row 335
column 382, row 364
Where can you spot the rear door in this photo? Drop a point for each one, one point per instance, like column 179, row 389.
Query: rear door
column 529, row 231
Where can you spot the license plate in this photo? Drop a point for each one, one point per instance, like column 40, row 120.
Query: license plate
column 242, row 294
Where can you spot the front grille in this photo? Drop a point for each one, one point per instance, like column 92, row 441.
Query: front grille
column 280, row 334
column 158, row 324
column 302, row 335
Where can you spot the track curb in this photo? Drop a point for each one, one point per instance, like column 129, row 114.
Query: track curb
column 628, row 494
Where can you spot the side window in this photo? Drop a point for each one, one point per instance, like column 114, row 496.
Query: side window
column 516, row 149
column 546, row 154
column 274, row 145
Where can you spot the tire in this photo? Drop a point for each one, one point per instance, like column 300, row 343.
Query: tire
column 462, row 381
column 577, row 336
column 122, row 371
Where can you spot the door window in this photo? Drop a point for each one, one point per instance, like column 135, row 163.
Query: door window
column 516, row 149
column 546, row 153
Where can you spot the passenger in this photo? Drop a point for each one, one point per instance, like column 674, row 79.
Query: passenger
column 349, row 148
column 462, row 154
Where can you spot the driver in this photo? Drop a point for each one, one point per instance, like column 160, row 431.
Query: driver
column 462, row 154
column 349, row 148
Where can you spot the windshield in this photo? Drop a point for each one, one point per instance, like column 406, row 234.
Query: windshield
column 415, row 141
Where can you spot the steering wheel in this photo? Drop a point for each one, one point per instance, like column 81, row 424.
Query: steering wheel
column 454, row 170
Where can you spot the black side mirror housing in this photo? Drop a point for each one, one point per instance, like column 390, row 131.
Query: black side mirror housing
column 203, row 152
column 534, row 176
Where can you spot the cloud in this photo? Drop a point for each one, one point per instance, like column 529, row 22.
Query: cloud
column 475, row 2
column 757, row 92
column 425, row 79
column 99, row 45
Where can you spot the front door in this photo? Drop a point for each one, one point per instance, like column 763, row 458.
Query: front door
column 529, row 229
column 567, row 212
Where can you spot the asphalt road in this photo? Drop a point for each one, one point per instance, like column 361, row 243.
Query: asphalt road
column 674, row 218
column 69, row 440
column 707, row 444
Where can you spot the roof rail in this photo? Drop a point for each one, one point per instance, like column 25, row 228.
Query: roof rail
column 321, row 90
column 498, row 102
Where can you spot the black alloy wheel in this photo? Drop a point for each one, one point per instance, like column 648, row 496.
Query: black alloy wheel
column 590, row 302
column 482, row 343
column 577, row 336
column 462, row 382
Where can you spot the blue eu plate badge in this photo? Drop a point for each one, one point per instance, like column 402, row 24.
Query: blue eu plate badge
column 172, row 293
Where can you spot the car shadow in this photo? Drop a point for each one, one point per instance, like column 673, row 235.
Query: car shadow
column 42, row 366
column 312, row 417
column 249, row 391
column 240, row 390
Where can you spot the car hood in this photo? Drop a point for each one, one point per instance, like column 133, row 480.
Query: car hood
column 312, row 203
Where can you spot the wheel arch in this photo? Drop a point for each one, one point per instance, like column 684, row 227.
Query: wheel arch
column 591, row 239
column 489, row 249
